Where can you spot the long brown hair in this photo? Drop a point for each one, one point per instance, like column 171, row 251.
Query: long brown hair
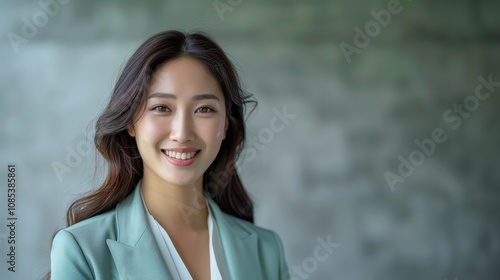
column 124, row 164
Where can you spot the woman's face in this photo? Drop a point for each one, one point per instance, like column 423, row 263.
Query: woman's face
column 181, row 129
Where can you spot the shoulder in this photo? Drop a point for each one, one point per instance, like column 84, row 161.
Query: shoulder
column 267, row 238
column 86, row 238
column 76, row 250
column 100, row 227
column 88, row 235
column 270, row 247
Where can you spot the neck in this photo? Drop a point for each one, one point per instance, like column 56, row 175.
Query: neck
column 176, row 207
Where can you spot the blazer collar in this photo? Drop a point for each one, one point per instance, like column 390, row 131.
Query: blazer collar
column 135, row 251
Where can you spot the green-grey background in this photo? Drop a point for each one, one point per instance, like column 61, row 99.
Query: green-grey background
column 321, row 175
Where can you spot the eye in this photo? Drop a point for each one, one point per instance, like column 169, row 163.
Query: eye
column 160, row 109
column 204, row 110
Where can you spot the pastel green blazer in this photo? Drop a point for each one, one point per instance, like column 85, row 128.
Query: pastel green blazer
column 119, row 244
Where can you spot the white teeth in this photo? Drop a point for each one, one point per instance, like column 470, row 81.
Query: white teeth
column 178, row 155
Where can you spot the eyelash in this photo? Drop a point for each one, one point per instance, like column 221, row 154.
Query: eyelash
column 156, row 108
column 210, row 110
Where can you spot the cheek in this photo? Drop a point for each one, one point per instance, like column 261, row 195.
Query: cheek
column 213, row 132
column 150, row 131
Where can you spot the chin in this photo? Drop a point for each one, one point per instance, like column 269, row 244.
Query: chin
column 181, row 181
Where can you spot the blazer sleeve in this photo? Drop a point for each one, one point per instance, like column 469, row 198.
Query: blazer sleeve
column 283, row 267
column 67, row 259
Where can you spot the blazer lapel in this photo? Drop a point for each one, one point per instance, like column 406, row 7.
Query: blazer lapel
column 135, row 253
column 239, row 246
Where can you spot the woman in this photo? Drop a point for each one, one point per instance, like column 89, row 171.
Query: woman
column 172, row 205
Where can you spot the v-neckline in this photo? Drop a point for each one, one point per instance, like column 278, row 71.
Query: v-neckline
column 171, row 256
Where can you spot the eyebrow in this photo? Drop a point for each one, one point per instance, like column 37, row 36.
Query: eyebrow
column 171, row 96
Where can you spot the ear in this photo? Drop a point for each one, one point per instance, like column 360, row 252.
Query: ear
column 131, row 130
column 225, row 128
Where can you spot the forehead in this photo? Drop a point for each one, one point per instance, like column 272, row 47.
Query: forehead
column 184, row 77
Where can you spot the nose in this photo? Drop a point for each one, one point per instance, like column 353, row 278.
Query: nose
column 182, row 128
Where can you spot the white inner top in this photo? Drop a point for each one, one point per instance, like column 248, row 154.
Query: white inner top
column 173, row 261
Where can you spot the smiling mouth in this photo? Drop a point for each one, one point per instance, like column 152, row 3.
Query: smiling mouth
column 181, row 156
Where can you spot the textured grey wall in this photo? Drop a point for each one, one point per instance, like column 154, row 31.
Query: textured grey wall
column 363, row 82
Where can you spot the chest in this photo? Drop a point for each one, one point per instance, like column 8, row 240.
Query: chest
column 193, row 248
